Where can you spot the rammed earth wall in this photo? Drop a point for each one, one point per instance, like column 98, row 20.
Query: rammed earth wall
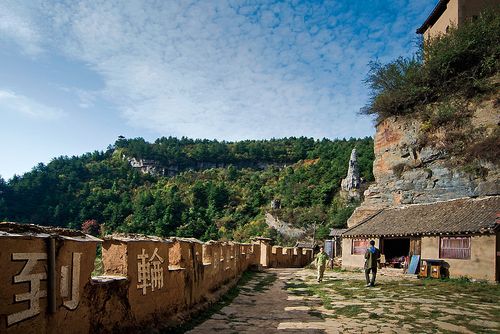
column 46, row 284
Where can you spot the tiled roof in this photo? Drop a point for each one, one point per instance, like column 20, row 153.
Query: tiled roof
column 460, row 216
column 334, row 232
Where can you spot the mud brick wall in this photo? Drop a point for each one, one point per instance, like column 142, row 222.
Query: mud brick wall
column 148, row 282
column 289, row 257
column 27, row 303
column 193, row 274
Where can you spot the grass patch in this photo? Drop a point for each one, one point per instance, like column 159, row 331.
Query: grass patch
column 488, row 299
column 324, row 295
column 401, row 301
column 264, row 283
column 320, row 315
column 316, row 314
column 298, row 288
column 339, row 270
column 434, row 314
column 349, row 310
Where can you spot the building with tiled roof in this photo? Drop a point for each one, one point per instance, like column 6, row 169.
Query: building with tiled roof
column 462, row 233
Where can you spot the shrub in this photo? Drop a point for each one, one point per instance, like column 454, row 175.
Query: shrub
column 455, row 64
column 463, row 54
column 487, row 148
column 453, row 113
column 395, row 87
column 91, row 227
column 399, row 169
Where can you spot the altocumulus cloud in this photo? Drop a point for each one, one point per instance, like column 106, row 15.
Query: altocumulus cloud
column 15, row 103
column 222, row 69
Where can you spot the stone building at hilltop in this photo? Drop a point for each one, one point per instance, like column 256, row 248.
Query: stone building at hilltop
column 449, row 13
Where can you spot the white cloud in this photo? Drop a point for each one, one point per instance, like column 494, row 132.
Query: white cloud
column 15, row 103
column 216, row 69
column 16, row 25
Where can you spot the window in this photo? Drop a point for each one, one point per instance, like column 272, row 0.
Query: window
column 454, row 248
column 359, row 246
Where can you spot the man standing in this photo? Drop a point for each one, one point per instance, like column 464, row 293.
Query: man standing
column 321, row 259
column 372, row 258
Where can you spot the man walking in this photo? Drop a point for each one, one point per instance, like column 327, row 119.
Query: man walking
column 372, row 258
column 321, row 259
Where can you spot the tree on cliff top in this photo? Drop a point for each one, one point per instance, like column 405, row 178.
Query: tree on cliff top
column 457, row 63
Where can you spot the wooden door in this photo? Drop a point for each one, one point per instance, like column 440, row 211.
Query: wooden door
column 415, row 246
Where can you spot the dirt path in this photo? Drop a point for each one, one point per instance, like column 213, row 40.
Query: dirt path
column 262, row 305
column 291, row 301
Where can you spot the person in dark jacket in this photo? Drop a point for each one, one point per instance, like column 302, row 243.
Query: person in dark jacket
column 372, row 258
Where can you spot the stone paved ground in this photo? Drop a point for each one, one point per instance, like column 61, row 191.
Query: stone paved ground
column 290, row 301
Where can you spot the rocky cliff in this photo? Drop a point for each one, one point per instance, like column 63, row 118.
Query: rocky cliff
column 351, row 185
column 408, row 172
column 155, row 168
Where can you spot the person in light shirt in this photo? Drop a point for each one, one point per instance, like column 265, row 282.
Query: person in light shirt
column 321, row 259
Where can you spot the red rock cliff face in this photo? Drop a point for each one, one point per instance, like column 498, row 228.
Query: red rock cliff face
column 407, row 174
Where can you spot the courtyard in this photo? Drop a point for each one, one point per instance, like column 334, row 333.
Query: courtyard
column 291, row 301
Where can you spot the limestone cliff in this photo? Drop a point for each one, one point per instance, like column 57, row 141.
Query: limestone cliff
column 350, row 186
column 408, row 172
column 155, row 168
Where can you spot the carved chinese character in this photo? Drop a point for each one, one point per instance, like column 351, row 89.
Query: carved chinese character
column 143, row 272
column 75, row 282
column 35, row 293
column 156, row 271
column 149, row 272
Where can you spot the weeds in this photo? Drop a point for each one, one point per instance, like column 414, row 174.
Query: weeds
column 399, row 169
column 349, row 310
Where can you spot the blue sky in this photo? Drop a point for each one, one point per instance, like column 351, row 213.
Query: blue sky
column 74, row 75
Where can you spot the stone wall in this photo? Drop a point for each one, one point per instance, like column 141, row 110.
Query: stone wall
column 148, row 282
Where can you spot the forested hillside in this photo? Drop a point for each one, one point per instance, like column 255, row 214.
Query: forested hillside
column 103, row 193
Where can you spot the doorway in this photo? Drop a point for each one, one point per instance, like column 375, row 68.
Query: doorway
column 395, row 251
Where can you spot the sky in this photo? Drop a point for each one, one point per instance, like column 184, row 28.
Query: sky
column 75, row 75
